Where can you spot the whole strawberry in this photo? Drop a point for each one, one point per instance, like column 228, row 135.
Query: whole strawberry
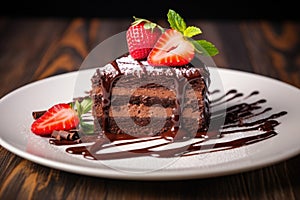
column 141, row 36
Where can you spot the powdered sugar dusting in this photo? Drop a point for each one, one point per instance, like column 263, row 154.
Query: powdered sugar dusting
column 130, row 66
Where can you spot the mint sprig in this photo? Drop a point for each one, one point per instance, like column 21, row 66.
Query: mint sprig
column 176, row 21
column 82, row 108
column 203, row 47
column 191, row 31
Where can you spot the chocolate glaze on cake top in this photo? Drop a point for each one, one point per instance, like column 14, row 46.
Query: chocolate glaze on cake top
column 126, row 65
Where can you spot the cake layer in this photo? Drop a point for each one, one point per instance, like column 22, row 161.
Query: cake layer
column 133, row 97
column 150, row 94
column 148, row 126
column 143, row 111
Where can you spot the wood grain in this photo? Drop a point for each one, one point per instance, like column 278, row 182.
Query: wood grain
column 274, row 48
column 32, row 49
column 27, row 180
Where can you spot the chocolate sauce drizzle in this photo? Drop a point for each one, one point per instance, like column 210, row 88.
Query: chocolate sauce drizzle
column 235, row 122
column 107, row 81
column 241, row 117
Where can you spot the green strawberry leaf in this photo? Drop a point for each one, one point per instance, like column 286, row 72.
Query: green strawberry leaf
column 148, row 24
column 176, row 21
column 205, row 48
column 138, row 21
column 191, row 31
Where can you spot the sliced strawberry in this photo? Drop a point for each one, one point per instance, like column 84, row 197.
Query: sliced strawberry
column 141, row 36
column 171, row 49
column 58, row 117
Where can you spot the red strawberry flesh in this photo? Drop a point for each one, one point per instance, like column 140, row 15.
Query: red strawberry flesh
column 58, row 117
column 171, row 49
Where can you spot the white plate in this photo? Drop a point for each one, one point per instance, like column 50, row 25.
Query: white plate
column 17, row 106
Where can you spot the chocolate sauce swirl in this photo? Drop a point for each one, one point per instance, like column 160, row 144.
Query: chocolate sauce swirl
column 235, row 122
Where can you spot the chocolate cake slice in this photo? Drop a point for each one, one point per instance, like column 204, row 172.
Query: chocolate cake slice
column 134, row 98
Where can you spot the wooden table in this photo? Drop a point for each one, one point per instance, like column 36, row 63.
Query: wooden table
column 33, row 49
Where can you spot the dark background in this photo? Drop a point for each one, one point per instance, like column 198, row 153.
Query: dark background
column 229, row 9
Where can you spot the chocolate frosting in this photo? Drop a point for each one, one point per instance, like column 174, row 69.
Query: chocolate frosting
column 126, row 65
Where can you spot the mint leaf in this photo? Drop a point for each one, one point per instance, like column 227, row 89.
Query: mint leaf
column 86, row 105
column 176, row 21
column 205, row 48
column 78, row 108
column 87, row 128
column 83, row 107
column 191, row 31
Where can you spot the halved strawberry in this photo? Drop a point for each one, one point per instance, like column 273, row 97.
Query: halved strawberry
column 58, row 117
column 141, row 36
column 171, row 49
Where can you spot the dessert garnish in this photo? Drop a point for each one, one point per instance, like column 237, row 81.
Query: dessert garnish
column 176, row 47
column 172, row 49
column 141, row 37
column 173, row 46
column 61, row 117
